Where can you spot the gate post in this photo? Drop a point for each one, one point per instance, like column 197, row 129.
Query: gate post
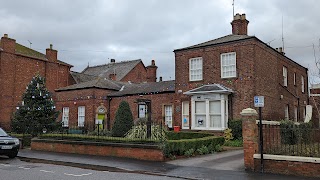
column 250, row 137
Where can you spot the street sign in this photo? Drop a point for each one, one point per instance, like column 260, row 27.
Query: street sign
column 259, row 101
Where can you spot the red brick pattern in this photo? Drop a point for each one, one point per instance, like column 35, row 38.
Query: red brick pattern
column 100, row 150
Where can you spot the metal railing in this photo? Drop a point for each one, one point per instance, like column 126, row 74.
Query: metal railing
column 291, row 141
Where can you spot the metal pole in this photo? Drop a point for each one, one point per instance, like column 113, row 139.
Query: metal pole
column 261, row 139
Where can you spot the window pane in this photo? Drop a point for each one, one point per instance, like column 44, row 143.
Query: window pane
column 200, row 107
column 215, row 121
column 200, row 120
column 215, row 107
column 228, row 65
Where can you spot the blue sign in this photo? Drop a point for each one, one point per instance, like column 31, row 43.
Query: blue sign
column 259, row 101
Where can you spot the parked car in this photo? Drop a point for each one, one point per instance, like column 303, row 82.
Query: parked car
column 9, row 146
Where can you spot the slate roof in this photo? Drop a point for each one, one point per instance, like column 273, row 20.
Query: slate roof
column 145, row 88
column 121, row 69
column 80, row 77
column 210, row 88
column 101, row 83
column 224, row 39
column 25, row 51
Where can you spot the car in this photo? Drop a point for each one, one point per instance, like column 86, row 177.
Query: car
column 9, row 146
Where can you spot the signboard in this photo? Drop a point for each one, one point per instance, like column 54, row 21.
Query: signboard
column 259, row 101
column 98, row 121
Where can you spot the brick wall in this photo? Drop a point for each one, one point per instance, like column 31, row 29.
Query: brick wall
column 142, row 152
column 137, row 74
column 157, row 105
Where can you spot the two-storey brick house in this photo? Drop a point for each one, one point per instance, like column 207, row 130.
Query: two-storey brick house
column 216, row 79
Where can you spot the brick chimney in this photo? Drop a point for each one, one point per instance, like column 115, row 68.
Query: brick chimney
column 240, row 25
column 51, row 54
column 8, row 44
column 152, row 72
column 113, row 76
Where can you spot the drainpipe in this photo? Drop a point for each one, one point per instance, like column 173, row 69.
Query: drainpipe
column 108, row 113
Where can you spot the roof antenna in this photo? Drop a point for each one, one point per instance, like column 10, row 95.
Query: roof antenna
column 30, row 43
column 282, row 36
column 233, row 8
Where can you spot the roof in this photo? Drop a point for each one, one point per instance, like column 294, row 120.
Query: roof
column 145, row 88
column 101, row 83
column 224, row 39
column 25, row 51
column 121, row 69
column 210, row 88
column 80, row 77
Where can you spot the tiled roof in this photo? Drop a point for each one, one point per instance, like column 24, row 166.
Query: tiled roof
column 224, row 39
column 210, row 88
column 145, row 88
column 121, row 69
column 25, row 51
column 101, row 83
column 80, row 77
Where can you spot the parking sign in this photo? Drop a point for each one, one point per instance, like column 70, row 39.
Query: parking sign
column 259, row 101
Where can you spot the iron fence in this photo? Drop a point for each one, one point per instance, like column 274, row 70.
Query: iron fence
column 291, row 141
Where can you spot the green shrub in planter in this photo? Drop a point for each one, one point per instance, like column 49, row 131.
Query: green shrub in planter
column 140, row 132
column 236, row 126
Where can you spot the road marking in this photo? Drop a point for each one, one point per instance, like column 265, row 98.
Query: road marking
column 5, row 165
column 47, row 171
column 77, row 175
column 23, row 168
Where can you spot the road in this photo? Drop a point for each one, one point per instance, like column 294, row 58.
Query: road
column 19, row 170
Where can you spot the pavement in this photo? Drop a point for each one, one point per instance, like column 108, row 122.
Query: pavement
column 223, row 165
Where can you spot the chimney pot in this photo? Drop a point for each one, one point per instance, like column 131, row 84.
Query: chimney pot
column 112, row 60
column 280, row 49
column 5, row 35
column 240, row 25
column 51, row 46
column 160, row 79
column 153, row 62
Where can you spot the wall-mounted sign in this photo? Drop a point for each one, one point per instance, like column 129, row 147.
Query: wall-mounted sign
column 259, row 101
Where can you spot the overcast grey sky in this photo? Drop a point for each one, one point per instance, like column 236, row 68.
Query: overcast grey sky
column 94, row 31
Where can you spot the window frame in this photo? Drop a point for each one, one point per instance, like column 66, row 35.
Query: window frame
column 65, row 116
column 191, row 70
column 168, row 117
column 185, row 115
column 286, row 112
column 285, row 76
column 81, row 115
column 302, row 84
column 234, row 75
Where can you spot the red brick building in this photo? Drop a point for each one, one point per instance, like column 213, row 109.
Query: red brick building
column 99, row 90
column 18, row 64
column 216, row 79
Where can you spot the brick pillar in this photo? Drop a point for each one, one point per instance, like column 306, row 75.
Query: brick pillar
column 250, row 137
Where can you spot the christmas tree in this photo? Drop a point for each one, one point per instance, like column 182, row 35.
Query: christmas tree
column 36, row 112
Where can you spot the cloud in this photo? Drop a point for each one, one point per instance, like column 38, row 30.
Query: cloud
column 94, row 31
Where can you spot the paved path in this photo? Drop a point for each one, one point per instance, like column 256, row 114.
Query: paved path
column 224, row 165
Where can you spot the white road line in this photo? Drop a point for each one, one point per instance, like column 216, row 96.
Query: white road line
column 77, row 175
column 5, row 165
column 47, row 171
column 23, row 168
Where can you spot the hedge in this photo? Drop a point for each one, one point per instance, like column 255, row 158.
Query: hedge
column 26, row 138
column 179, row 147
column 186, row 135
column 80, row 137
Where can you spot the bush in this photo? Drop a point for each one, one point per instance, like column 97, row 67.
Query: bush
column 186, row 135
column 236, row 126
column 203, row 150
column 179, row 147
column 189, row 152
column 26, row 138
column 292, row 133
column 140, row 132
column 123, row 121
